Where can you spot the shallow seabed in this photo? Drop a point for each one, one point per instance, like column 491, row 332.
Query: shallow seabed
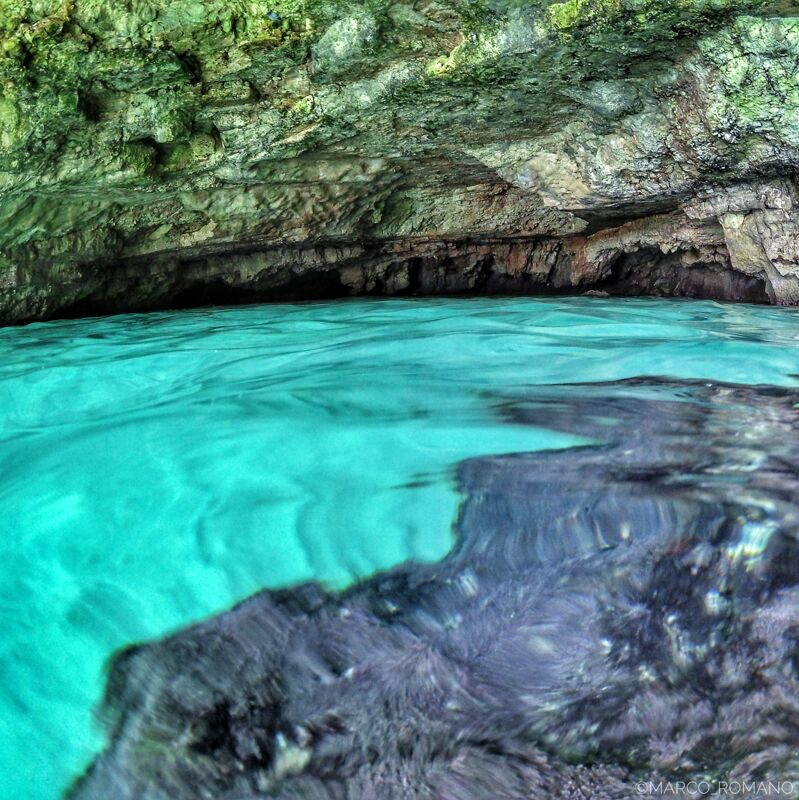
column 160, row 467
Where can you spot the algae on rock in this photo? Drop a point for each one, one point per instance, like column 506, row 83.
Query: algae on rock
column 149, row 151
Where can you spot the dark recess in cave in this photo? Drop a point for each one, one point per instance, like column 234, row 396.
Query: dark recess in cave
column 646, row 272
column 650, row 272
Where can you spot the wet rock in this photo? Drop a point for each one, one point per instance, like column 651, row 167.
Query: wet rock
column 145, row 147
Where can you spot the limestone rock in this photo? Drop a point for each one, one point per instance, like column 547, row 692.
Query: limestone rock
column 147, row 148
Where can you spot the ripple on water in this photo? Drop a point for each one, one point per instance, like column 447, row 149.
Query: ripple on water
column 159, row 467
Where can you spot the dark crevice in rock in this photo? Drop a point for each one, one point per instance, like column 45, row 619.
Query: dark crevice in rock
column 325, row 285
column 89, row 106
column 160, row 150
column 649, row 272
column 614, row 216
column 90, row 307
column 213, row 293
column 192, row 66
column 212, row 731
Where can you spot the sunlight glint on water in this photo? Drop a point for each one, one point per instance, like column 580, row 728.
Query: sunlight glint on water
column 157, row 468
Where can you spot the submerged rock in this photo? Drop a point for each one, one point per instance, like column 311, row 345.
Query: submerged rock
column 618, row 613
column 173, row 152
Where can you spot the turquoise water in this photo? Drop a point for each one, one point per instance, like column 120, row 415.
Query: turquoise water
column 159, row 467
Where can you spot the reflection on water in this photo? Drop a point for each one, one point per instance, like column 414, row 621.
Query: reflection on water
column 158, row 468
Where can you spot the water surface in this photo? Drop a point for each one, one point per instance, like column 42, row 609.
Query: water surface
column 159, row 467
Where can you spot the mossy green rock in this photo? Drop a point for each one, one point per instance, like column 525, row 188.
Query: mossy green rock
column 158, row 152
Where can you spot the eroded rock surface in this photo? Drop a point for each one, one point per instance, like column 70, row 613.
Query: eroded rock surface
column 611, row 614
column 176, row 151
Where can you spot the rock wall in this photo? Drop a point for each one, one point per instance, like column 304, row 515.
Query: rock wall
column 165, row 152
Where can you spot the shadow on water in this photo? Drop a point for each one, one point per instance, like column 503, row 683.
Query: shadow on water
column 610, row 614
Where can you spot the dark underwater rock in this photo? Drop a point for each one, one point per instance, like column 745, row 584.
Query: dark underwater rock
column 620, row 612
